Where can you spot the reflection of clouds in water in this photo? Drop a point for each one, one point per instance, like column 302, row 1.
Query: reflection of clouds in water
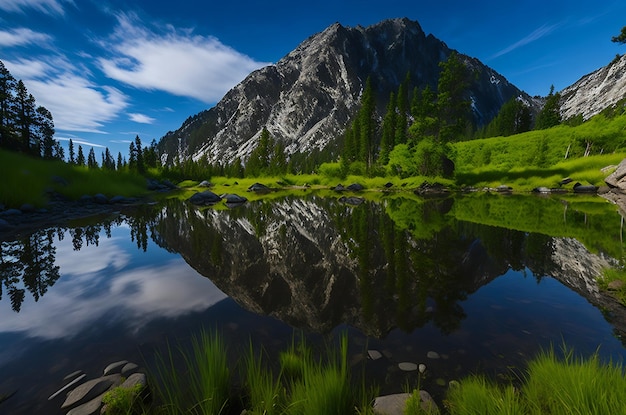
column 91, row 259
column 95, row 284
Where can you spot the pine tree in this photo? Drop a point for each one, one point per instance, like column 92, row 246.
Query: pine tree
column 25, row 120
column 452, row 103
column 550, row 114
column 402, row 105
column 71, row 151
column 92, row 163
column 132, row 156
column 139, row 160
column 7, row 108
column 259, row 159
column 367, row 124
column 80, row 158
column 46, row 133
column 387, row 141
column 278, row 161
column 621, row 38
column 120, row 161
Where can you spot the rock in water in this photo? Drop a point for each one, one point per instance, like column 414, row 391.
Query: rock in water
column 89, row 390
column 407, row 366
column 114, row 367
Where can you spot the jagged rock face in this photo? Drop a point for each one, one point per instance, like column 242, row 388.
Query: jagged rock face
column 596, row 91
column 307, row 99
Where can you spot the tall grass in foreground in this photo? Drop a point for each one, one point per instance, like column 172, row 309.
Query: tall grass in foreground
column 570, row 385
column 199, row 386
column 305, row 385
column 574, row 386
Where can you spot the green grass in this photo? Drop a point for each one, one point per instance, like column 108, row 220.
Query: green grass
column 28, row 180
column 200, row 385
column 123, row 401
column 552, row 385
column 617, row 290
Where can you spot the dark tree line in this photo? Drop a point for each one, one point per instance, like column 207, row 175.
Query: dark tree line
column 25, row 126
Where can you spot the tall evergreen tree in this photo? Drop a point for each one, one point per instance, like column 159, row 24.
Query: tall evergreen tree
column 72, row 160
column 387, row 141
column 92, row 163
column 132, row 156
column 550, row 114
column 8, row 85
column 120, row 161
column 80, row 158
column 259, row 159
column 141, row 167
column 25, row 120
column 367, row 125
column 424, row 112
column 402, row 105
column 452, row 102
column 46, row 132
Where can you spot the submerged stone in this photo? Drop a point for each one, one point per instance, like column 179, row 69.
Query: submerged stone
column 407, row 366
column 390, row 404
column 115, row 367
column 374, row 354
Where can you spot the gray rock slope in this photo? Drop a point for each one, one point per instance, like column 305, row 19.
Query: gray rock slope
column 596, row 91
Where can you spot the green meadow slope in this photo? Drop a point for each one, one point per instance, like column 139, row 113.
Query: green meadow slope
column 544, row 157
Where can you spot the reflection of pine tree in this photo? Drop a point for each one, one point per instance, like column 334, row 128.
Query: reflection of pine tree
column 38, row 255
column 10, row 271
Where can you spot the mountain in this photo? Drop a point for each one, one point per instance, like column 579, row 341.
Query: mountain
column 596, row 91
column 307, row 99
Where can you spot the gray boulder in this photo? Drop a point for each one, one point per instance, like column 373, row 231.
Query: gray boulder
column 205, row 198
column 233, row 199
column 617, row 179
column 259, row 188
column 355, row 187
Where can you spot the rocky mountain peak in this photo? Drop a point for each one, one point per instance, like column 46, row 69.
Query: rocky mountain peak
column 308, row 97
column 596, row 91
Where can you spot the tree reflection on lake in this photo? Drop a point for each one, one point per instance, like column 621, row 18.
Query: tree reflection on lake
column 485, row 278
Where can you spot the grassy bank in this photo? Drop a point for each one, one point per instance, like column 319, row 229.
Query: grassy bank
column 29, row 180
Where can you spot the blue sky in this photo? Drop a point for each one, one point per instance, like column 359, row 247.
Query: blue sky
column 109, row 70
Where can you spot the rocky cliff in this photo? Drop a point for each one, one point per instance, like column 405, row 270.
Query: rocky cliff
column 308, row 97
column 596, row 91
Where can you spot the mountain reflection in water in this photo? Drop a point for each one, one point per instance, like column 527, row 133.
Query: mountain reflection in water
column 485, row 280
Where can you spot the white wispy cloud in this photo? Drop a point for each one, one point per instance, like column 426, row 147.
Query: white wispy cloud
column 537, row 34
column 76, row 103
column 176, row 62
column 22, row 36
column 79, row 141
column 140, row 118
column 44, row 6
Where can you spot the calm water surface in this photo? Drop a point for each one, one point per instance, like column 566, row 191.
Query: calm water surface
column 486, row 282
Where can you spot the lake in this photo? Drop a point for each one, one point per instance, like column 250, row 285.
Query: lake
column 486, row 281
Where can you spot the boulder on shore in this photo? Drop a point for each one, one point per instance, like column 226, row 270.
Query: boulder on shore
column 205, row 198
